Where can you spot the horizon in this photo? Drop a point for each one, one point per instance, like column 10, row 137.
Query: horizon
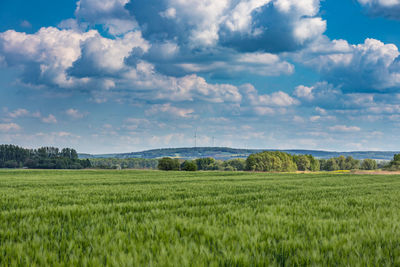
column 122, row 76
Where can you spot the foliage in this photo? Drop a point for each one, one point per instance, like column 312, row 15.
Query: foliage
column 271, row 161
column 143, row 218
column 168, row 164
column 114, row 163
column 369, row 164
column 42, row 158
column 235, row 164
column 189, row 165
column 303, row 162
column 340, row 163
column 394, row 165
column 204, row 163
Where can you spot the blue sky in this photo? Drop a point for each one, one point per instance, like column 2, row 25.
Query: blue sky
column 120, row 75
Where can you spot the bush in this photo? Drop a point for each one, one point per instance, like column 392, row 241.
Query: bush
column 11, row 164
column 394, row 165
column 235, row 164
column 189, row 165
column 168, row 164
column 369, row 164
column 204, row 163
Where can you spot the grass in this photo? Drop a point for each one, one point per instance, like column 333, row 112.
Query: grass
column 151, row 218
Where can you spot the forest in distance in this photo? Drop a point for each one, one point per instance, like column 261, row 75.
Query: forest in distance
column 12, row 156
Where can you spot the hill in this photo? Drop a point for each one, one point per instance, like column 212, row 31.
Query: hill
column 224, row 153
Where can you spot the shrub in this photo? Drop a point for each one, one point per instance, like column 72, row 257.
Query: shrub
column 369, row 164
column 189, row 165
column 168, row 164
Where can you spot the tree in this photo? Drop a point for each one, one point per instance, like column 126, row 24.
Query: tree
column 235, row 164
column 331, row 165
column 394, row 165
column 341, row 162
column 314, row 163
column 303, row 163
column 271, row 161
column 188, row 165
column 352, row 164
column 204, row 163
column 44, row 157
column 369, row 164
column 168, row 164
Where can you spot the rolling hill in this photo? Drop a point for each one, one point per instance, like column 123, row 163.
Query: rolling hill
column 224, row 153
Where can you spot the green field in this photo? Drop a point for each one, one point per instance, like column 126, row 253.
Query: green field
column 152, row 218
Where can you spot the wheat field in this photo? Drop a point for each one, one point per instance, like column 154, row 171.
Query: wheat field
column 153, row 218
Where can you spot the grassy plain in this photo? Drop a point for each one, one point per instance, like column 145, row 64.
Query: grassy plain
column 152, row 218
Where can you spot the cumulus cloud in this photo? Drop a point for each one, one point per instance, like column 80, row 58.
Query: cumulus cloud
column 45, row 55
column 109, row 13
column 267, row 103
column 385, row 8
column 104, row 57
column 370, row 66
column 321, row 93
column 74, row 60
column 263, row 64
column 246, row 25
column 276, row 99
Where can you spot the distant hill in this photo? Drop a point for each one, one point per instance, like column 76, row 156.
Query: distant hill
column 224, row 153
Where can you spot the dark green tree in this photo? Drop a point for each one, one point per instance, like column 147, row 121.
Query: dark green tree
column 204, row 163
column 189, row 165
column 168, row 164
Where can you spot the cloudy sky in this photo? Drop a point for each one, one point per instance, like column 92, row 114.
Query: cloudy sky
column 121, row 75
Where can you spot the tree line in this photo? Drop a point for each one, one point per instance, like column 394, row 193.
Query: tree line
column 12, row 156
column 42, row 158
column 126, row 163
column 277, row 161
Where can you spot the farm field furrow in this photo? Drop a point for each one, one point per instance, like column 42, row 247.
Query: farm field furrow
column 153, row 218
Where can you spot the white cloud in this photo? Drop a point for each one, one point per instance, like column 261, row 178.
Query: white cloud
column 276, row 99
column 18, row 113
column 9, row 127
column 386, row 8
column 266, row 104
column 74, row 113
column 302, row 91
column 322, row 118
column 298, row 119
column 370, row 66
column 344, row 128
column 44, row 55
column 321, row 111
column 248, row 25
column 109, row 13
column 26, row 24
column 169, row 110
column 263, row 64
column 103, row 56
column 49, row 119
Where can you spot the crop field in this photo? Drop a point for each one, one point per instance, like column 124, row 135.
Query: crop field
column 152, row 218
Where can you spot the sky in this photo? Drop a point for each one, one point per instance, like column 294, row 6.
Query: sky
column 121, row 76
